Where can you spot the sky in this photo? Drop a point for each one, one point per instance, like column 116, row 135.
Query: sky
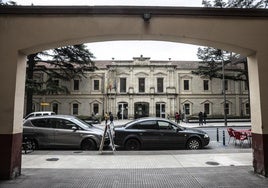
column 156, row 50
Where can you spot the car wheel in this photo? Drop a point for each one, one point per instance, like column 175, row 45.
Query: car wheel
column 30, row 144
column 88, row 144
column 194, row 143
column 34, row 144
column 132, row 144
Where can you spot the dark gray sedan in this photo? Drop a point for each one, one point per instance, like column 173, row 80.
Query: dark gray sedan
column 62, row 131
column 158, row 133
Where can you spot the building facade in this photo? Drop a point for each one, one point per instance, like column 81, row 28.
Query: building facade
column 141, row 87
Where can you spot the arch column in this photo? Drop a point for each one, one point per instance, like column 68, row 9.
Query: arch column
column 258, row 69
column 12, row 79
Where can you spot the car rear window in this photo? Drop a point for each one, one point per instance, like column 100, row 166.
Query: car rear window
column 41, row 123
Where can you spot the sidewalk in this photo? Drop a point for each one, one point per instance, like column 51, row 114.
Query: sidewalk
column 214, row 167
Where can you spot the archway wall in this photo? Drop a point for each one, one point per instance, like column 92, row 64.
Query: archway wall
column 258, row 69
column 29, row 30
column 33, row 33
column 25, row 30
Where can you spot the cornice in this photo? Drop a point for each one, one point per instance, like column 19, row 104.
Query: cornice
column 134, row 10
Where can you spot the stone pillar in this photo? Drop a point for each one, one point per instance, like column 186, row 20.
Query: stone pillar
column 131, row 108
column 12, row 79
column 258, row 69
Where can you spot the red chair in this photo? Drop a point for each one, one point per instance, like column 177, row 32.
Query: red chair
column 231, row 134
column 240, row 137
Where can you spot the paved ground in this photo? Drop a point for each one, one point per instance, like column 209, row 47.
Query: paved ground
column 214, row 166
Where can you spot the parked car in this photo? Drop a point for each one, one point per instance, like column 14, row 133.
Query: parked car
column 40, row 113
column 62, row 131
column 160, row 133
column 92, row 120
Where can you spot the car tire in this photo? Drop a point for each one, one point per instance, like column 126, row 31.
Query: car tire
column 193, row 144
column 88, row 144
column 34, row 144
column 132, row 144
column 31, row 144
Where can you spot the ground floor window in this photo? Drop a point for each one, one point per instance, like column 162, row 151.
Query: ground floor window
column 227, row 108
column 160, row 110
column 122, row 112
column 207, row 108
column 187, row 108
column 75, row 109
column 247, row 106
column 96, row 108
column 55, row 108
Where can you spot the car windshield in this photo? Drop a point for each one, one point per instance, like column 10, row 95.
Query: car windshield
column 82, row 124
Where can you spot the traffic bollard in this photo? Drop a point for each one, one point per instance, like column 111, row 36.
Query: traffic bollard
column 223, row 137
column 218, row 135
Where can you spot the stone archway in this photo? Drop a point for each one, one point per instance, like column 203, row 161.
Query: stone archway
column 25, row 30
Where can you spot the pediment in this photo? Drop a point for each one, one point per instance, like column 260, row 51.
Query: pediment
column 122, row 74
column 186, row 77
column 75, row 101
column 206, row 101
column 141, row 74
column 96, row 101
column 186, row 101
column 160, row 74
column 96, row 76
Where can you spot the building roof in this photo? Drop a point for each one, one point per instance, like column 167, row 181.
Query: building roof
column 105, row 64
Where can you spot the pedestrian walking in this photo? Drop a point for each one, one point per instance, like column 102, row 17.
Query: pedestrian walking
column 111, row 117
column 106, row 117
column 205, row 118
column 177, row 117
column 200, row 118
column 111, row 120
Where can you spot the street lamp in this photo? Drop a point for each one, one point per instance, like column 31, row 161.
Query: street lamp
column 220, row 56
column 224, row 93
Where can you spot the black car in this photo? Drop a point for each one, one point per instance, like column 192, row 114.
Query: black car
column 158, row 132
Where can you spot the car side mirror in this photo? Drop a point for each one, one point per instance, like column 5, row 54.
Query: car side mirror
column 74, row 128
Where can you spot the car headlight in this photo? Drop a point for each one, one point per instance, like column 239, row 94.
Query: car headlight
column 206, row 136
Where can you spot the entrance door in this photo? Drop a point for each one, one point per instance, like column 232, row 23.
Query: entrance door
column 122, row 112
column 141, row 109
column 161, row 110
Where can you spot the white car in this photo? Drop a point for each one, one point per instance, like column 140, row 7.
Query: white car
column 40, row 113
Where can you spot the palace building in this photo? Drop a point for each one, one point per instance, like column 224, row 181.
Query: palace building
column 143, row 87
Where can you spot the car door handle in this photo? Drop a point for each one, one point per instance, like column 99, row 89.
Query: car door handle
column 140, row 134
